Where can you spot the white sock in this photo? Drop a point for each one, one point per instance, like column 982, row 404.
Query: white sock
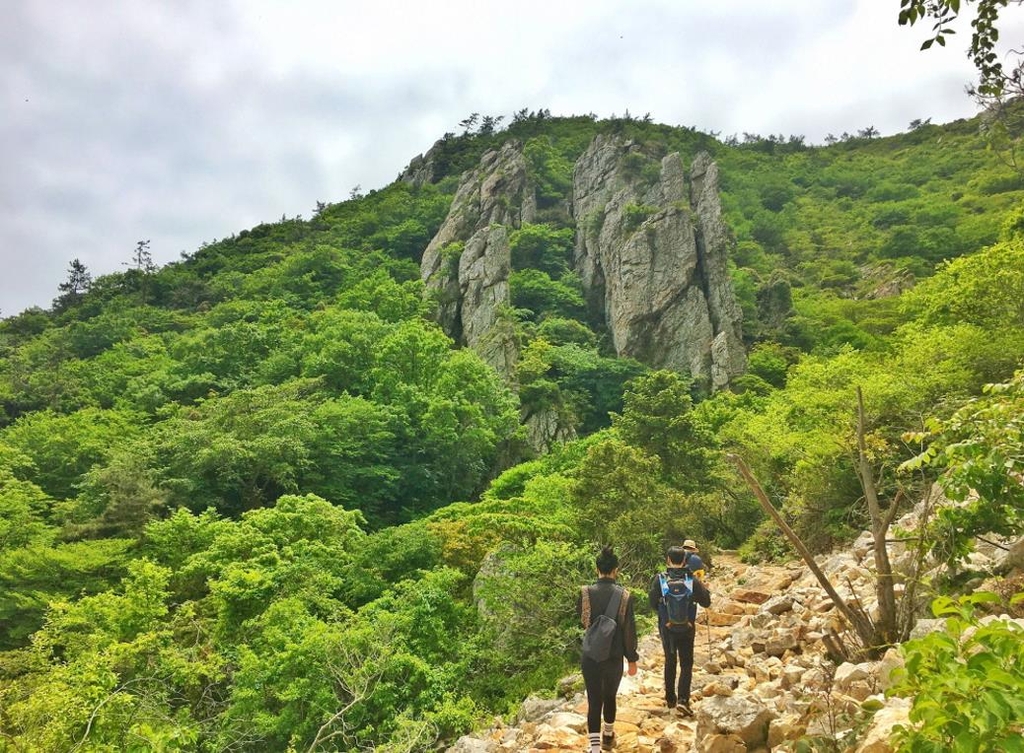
column 609, row 728
column 595, row 742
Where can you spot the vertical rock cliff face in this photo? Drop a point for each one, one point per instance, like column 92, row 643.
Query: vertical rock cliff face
column 651, row 251
column 728, row 357
column 467, row 264
column 466, row 267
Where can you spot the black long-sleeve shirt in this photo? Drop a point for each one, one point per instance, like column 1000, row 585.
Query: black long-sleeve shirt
column 600, row 593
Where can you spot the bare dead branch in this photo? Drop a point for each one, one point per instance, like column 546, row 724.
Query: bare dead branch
column 885, row 628
column 863, row 627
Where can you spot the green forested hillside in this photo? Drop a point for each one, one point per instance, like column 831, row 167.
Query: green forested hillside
column 258, row 500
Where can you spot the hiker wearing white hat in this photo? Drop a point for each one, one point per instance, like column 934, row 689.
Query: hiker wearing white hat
column 693, row 561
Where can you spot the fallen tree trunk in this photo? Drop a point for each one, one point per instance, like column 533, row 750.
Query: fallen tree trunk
column 856, row 617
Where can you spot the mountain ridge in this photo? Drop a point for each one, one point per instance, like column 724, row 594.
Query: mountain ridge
column 259, row 497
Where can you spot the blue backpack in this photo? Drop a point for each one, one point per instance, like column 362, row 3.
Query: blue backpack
column 677, row 596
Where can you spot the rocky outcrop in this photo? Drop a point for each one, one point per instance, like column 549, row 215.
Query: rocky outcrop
column 495, row 193
column 466, row 270
column 546, row 428
column 728, row 357
column 421, row 168
column 651, row 251
column 466, row 265
column 483, row 270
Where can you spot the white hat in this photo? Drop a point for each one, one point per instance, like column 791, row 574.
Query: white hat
column 690, row 544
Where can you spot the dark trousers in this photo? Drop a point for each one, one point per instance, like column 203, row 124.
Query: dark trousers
column 602, row 681
column 678, row 650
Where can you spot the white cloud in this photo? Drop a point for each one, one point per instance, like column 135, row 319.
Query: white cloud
column 186, row 121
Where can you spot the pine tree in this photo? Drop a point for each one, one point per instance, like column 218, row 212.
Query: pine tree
column 71, row 290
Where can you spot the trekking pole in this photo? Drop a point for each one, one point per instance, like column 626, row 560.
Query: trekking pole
column 707, row 615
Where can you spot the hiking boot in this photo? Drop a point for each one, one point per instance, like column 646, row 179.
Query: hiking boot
column 683, row 708
column 607, row 741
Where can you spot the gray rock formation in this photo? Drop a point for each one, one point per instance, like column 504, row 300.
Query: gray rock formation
column 421, row 168
column 466, row 265
column 466, row 270
column 483, row 271
column 728, row 356
column 651, row 250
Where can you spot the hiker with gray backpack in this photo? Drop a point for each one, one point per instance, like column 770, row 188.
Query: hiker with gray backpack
column 606, row 611
column 674, row 594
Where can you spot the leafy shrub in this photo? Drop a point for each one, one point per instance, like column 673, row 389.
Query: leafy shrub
column 636, row 214
column 559, row 331
column 965, row 682
column 542, row 247
column 775, row 196
column 549, row 169
column 770, row 361
column 766, row 545
column 537, row 291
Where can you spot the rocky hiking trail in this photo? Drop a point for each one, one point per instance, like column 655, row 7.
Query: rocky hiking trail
column 761, row 678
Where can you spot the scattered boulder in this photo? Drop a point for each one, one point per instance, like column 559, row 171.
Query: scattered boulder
column 736, row 716
column 534, row 709
column 877, row 738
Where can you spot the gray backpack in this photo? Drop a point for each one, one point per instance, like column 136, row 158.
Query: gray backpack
column 600, row 634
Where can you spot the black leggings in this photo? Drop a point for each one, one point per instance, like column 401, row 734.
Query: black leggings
column 678, row 648
column 602, row 681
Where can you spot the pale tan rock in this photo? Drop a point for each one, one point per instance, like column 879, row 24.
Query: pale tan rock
column 716, row 743
column 630, row 716
column 848, row 673
column 861, row 689
column 742, row 716
column 892, row 660
column 780, row 642
column 716, row 688
column 569, row 719
column 786, row 727
column 721, row 619
column 791, row 676
column 549, row 738
column 876, row 739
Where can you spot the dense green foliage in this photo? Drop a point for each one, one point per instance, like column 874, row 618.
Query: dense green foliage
column 965, row 682
column 256, row 499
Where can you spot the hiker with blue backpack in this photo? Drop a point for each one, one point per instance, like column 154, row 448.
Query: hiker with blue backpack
column 674, row 594
column 606, row 611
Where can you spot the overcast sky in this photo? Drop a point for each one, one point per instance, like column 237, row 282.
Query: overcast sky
column 189, row 120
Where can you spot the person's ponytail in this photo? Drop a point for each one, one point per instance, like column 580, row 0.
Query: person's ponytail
column 606, row 561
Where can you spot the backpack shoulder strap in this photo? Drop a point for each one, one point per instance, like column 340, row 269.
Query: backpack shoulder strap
column 624, row 604
column 585, row 602
column 613, row 603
